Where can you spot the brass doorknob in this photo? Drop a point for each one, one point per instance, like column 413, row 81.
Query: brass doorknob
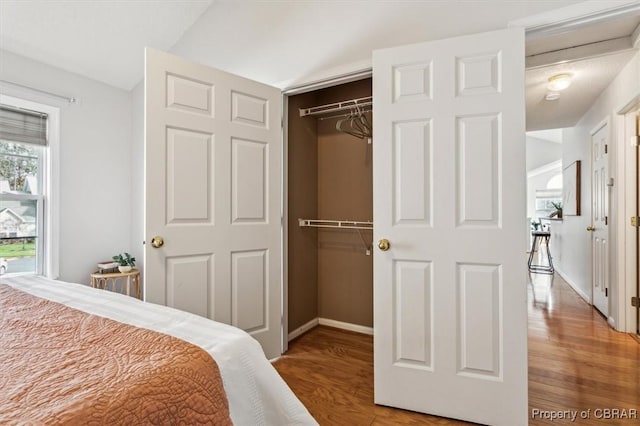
column 591, row 228
column 384, row 244
column 157, row 242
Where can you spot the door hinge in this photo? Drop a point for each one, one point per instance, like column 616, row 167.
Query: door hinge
column 634, row 221
column 634, row 301
column 606, row 220
column 606, row 292
column 610, row 182
column 606, row 148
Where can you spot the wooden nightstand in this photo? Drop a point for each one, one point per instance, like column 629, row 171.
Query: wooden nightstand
column 126, row 283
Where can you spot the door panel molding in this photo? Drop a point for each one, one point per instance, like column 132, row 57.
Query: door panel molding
column 449, row 194
column 213, row 192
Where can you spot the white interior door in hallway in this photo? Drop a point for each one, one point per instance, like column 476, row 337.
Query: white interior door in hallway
column 599, row 218
column 213, row 194
column 450, row 314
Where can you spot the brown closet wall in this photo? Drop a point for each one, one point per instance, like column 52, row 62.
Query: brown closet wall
column 302, row 202
column 329, row 177
column 345, row 191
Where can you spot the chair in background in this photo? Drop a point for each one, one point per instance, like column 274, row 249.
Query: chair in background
column 540, row 238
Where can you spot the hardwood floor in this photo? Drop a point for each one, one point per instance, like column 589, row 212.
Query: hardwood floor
column 331, row 371
column 576, row 362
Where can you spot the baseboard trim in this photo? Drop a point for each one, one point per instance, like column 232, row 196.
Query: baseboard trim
column 346, row 326
column 612, row 322
column 574, row 286
column 329, row 323
column 302, row 329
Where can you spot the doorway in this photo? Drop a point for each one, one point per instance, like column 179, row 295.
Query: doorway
column 629, row 119
column 600, row 241
column 421, row 171
column 329, row 208
column 578, row 239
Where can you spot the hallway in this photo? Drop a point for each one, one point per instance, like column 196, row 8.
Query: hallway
column 576, row 363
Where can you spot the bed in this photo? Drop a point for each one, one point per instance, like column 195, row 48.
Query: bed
column 255, row 393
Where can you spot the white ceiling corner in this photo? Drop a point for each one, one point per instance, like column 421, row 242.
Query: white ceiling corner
column 101, row 39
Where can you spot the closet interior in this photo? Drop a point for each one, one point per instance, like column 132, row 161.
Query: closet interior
column 330, row 207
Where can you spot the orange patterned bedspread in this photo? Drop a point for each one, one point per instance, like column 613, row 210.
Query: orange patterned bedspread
column 59, row 365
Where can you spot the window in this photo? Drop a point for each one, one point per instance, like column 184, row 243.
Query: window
column 545, row 198
column 25, row 218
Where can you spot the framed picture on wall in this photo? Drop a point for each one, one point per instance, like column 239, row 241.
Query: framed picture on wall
column 571, row 189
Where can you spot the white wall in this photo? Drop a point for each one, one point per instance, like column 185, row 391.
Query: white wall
column 95, row 165
column 541, row 152
column 137, row 175
column 575, row 260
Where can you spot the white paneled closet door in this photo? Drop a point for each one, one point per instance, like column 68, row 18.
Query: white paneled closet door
column 213, row 195
column 599, row 218
column 450, row 318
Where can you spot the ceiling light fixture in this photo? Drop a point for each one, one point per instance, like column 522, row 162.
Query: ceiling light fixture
column 559, row 82
column 552, row 96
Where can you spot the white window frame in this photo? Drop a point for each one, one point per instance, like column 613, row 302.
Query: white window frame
column 49, row 182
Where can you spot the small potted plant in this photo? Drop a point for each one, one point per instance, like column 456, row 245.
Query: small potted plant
column 558, row 206
column 125, row 262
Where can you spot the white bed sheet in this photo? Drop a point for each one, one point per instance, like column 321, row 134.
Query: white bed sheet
column 257, row 394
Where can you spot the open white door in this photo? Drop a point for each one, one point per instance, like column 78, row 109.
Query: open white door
column 450, row 315
column 600, row 219
column 212, row 182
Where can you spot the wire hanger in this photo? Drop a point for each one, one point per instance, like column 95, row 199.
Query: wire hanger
column 355, row 124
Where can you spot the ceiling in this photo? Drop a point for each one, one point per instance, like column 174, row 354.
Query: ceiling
column 101, row 39
column 281, row 42
column 593, row 53
column 608, row 29
column 590, row 77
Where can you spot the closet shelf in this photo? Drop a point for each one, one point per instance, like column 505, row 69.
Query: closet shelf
column 345, row 224
column 336, row 107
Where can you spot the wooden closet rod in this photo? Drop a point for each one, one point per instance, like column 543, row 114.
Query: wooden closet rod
column 336, row 107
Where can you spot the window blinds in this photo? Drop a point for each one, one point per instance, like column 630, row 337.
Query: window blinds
column 21, row 125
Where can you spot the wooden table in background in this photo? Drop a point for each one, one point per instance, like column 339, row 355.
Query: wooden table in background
column 120, row 282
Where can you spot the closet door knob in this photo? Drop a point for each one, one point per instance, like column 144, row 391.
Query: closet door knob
column 157, row 242
column 384, row 244
column 591, row 228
